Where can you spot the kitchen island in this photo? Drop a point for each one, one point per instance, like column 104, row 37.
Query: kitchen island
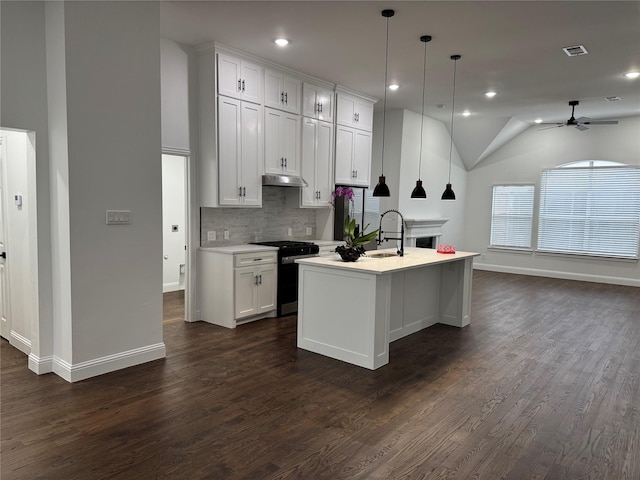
column 351, row 311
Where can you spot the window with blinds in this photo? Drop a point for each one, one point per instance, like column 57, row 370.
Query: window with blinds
column 590, row 211
column 512, row 216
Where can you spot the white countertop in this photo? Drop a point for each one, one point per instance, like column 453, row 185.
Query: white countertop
column 233, row 249
column 413, row 258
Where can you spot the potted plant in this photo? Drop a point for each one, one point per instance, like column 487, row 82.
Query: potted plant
column 354, row 239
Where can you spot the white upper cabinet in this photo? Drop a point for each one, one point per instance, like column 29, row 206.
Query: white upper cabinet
column 317, row 161
column 282, row 91
column 239, row 78
column 281, row 142
column 318, row 102
column 354, row 111
column 353, row 156
column 241, row 156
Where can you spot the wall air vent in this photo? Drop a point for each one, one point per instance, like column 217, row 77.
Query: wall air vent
column 575, row 51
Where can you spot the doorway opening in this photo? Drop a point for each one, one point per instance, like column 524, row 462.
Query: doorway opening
column 177, row 283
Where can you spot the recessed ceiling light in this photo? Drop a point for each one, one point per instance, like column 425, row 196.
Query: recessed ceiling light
column 394, row 86
column 490, row 94
column 466, row 113
column 281, row 42
column 632, row 74
column 538, row 120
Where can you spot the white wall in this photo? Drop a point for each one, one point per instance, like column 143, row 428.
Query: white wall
column 176, row 123
column 173, row 213
column 521, row 161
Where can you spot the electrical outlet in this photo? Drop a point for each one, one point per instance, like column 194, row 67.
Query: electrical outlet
column 309, row 231
column 211, row 236
column 226, row 234
column 289, row 232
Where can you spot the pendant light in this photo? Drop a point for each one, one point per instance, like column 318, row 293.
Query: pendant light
column 419, row 192
column 448, row 192
column 382, row 190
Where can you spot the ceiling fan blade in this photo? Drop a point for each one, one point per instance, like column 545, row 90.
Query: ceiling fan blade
column 553, row 125
column 583, row 120
column 601, row 122
column 581, row 127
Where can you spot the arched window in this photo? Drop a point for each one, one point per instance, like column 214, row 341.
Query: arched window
column 591, row 208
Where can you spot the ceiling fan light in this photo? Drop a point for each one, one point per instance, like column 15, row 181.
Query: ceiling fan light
column 394, row 86
column 419, row 192
column 632, row 75
column 281, row 42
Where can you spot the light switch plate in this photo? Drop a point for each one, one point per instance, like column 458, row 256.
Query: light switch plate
column 118, row 217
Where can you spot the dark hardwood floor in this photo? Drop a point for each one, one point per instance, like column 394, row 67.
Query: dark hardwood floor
column 544, row 384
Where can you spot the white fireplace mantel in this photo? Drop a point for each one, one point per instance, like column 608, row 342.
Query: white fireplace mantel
column 423, row 227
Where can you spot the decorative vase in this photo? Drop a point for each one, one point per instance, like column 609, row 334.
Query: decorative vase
column 349, row 254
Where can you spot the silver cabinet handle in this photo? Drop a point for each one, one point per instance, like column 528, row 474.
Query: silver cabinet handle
column 255, row 280
column 244, row 191
column 260, row 277
column 243, row 85
column 240, row 191
column 239, row 85
column 285, row 162
column 282, row 96
column 286, row 101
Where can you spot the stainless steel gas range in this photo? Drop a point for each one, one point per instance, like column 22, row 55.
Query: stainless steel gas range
column 288, row 252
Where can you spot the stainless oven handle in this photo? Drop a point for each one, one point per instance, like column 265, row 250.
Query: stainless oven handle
column 292, row 259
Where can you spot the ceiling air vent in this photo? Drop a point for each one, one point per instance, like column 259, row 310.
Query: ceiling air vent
column 612, row 99
column 575, row 51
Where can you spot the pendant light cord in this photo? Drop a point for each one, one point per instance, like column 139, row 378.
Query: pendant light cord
column 384, row 106
column 453, row 106
column 424, row 75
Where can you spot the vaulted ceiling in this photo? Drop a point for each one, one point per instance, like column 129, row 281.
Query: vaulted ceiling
column 512, row 47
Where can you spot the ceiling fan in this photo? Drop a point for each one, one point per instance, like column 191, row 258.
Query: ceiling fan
column 581, row 122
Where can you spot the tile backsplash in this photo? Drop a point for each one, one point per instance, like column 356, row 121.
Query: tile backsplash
column 271, row 222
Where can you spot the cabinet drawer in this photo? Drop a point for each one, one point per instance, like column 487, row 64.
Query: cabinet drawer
column 255, row 258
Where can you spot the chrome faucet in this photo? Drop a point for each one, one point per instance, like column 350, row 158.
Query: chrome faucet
column 401, row 232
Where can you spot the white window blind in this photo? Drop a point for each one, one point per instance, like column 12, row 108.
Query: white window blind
column 590, row 211
column 511, row 216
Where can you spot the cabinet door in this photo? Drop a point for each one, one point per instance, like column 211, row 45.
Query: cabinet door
column 346, row 110
column 364, row 115
column 345, row 141
column 292, row 94
column 273, row 158
column 308, row 161
column 324, row 163
column 362, row 158
column 229, row 132
column 273, row 89
column 290, row 143
column 245, row 291
column 251, row 82
column 252, row 155
column 267, row 288
column 229, row 76
column 326, row 102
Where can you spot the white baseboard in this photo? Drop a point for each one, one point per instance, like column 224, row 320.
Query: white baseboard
column 40, row 365
column 171, row 287
column 21, row 343
column 110, row 363
column 554, row 274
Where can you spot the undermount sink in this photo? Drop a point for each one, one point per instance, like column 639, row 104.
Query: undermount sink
column 382, row 255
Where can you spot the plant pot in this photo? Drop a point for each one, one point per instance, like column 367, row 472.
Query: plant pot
column 349, row 254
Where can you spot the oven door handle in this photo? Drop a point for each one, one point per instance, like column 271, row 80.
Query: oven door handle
column 293, row 258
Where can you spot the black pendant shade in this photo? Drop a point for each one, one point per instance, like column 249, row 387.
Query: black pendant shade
column 419, row 192
column 448, row 191
column 382, row 190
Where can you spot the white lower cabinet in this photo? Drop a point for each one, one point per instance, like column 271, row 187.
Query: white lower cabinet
column 237, row 284
column 255, row 290
column 317, row 155
column 353, row 156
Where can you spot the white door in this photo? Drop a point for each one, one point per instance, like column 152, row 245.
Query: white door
column 5, row 324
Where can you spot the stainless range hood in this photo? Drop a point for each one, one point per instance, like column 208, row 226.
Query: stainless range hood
column 273, row 180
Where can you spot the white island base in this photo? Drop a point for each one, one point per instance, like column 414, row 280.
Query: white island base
column 352, row 311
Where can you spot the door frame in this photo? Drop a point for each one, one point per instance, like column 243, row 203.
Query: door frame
column 6, row 296
column 192, row 233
